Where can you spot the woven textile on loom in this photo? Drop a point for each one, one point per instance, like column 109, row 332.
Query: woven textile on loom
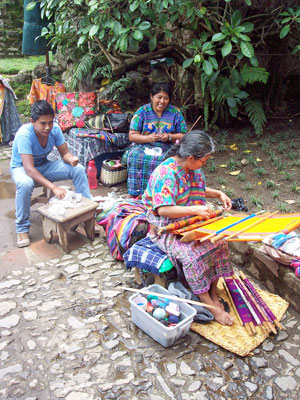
column 235, row 337
column 274, row 224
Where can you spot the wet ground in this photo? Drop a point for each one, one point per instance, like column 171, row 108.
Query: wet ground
column 66, row 331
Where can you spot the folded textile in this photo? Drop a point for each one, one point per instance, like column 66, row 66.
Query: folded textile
column 289, row 244
column 145, row 255
column 203, row 315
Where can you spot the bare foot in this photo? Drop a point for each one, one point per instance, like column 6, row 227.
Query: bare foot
column 223, row 317
column 215, row 298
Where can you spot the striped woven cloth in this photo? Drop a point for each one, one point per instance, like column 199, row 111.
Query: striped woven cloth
column 121, row 222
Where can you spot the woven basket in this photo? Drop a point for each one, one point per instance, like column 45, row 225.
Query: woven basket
column 112, row 175
column 235, row 338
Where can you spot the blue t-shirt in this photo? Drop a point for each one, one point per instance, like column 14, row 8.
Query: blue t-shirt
column 26, row 142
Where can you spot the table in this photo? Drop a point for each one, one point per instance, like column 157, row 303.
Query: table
column 60, row 224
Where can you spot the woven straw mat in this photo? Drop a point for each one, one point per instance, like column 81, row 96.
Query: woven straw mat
column 235, row 337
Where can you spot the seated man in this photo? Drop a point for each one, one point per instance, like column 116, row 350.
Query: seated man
column 29, row 164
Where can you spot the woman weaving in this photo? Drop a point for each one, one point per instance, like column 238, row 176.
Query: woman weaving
column 177, row 189
column 154, row 125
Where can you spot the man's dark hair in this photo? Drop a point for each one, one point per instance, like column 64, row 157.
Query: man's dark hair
column 39, row 108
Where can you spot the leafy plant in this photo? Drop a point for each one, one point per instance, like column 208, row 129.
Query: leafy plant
column 211, row 165
column 270, row 184
column 248, row 186
column 294, row 187
column 232, row 164
column 283, row 207
column 260, row 171
column 257, row 202
column 275, row 194
column 222, row 181
column 241, row 177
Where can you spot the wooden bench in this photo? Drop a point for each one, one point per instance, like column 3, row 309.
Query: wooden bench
column 61, row 224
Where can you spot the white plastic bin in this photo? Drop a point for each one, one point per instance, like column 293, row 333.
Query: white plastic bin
column 162, row 334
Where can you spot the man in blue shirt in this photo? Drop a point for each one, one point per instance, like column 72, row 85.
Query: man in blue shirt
column 29, row 165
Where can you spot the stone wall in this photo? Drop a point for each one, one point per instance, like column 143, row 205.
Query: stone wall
column 11, row 25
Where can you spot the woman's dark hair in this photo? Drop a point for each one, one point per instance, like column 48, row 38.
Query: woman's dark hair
column 39, row 108
column 195, row 143
column 161, row 87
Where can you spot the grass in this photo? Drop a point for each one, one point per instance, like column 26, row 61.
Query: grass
column 241, row 177
column 248, row 186
column 11, row 66
column 270, row 184
column 283, row 207
column 222, row 181
column 257, row 201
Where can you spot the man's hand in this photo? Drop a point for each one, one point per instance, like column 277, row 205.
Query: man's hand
column 59, row 192
column 73, row 161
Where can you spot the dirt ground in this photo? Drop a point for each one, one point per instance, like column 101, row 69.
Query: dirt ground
column 264, row 171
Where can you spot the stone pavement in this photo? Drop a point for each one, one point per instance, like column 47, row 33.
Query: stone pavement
column 66, row 333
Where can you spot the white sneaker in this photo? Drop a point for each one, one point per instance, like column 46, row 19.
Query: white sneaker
column 23, row 239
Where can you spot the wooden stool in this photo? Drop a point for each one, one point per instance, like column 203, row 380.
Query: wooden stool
column 60, row 224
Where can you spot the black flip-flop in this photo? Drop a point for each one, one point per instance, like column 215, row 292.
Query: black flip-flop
column 225, row 304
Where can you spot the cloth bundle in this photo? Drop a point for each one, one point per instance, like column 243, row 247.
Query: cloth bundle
column 284, row 249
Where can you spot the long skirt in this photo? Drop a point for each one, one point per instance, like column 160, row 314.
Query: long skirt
column 201, row 263
column 140, row 166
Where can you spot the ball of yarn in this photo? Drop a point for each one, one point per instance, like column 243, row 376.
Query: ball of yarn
column 173, row 319
column 297, row 272
column 149, row 308
column 173, row 309
column 153, row 302
column 151, row 297
column 159, row 313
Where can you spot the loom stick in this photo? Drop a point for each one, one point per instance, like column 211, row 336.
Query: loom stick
column 259, row 308
column 166, row 296
column 196, row 225
column 240, row 305
column 268, row 215
column 291, row 227
column 229, row 226
column 232, row 303
column 256, row 319
column 185, row 222
column 262, row 302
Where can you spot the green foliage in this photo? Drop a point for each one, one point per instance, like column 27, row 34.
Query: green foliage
column 220, row 52
column 256, row 114
column 257, row 202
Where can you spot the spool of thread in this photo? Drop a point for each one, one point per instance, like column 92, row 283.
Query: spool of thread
column 141, row 302
column 297, row 272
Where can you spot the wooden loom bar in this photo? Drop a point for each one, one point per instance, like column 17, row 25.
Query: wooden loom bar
column 259, row 308
column 264, row 305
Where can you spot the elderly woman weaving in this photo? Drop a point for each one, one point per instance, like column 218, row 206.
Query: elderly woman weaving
column 177, row 189
column 154, row 126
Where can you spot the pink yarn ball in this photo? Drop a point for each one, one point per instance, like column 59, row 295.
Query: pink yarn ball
column 297, row 272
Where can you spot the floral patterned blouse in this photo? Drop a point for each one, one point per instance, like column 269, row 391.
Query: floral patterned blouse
column 170, row 185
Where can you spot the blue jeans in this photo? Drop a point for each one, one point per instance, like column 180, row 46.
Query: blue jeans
column 53, row 171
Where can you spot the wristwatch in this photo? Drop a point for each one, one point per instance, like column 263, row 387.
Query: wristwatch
column 170, row 138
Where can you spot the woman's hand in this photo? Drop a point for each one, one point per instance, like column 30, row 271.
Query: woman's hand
column 154, row 137
column 225, row 201
column 202, row 211
column 164, row 137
